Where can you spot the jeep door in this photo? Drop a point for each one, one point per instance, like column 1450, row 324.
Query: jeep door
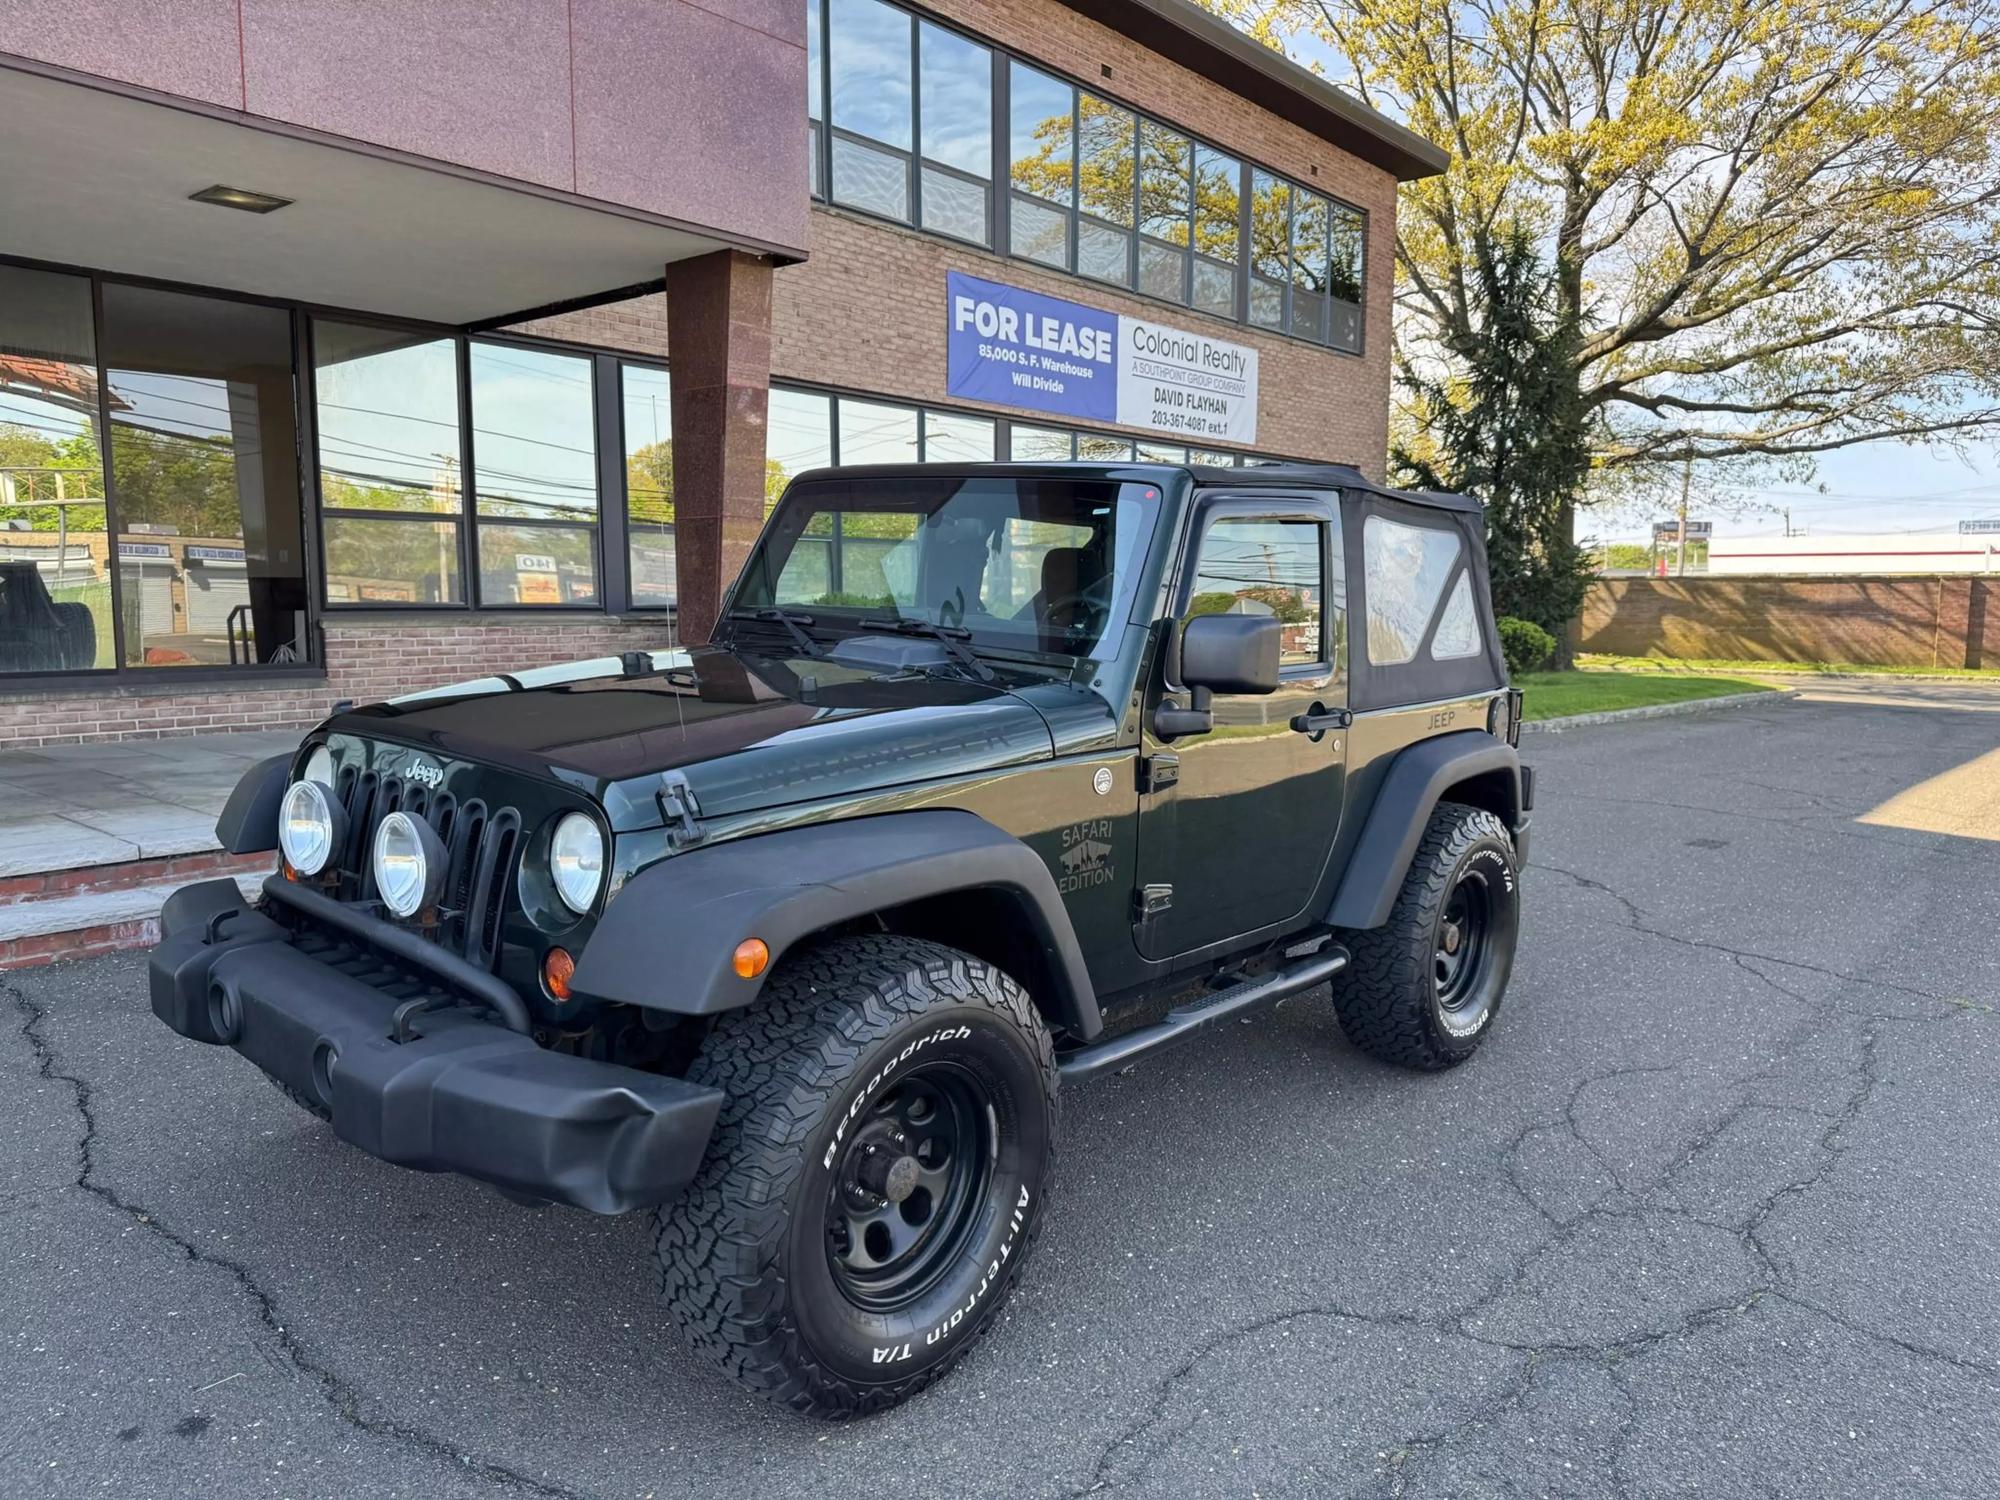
column 1236, row 825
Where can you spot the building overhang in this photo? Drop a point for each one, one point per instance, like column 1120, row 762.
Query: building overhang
column 1204, row 43
column 99, row 175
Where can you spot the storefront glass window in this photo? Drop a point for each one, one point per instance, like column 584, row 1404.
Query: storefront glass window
column 952, row 438
column 1105, row 188
column 648, row 421
column 956, row 97
column 799, row 437
column 205, row 480
column 871, row 433
column 1037, row 444
column 1309, row 229
column 386, row 413
column 815, row 105
column 55, row 579
column 1099, row 448
column 1348, row 238
column 869, row 49
column 1161, row 453
column 534, row 461
column 1043, row 170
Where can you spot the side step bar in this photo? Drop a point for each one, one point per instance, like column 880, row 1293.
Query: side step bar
column 1183, row 1021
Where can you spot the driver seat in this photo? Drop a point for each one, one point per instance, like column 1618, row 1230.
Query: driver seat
column 1068, row 573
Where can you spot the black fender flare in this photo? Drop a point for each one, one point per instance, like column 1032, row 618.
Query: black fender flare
column 667, row 940
column 249, row 820
column 1411, row 788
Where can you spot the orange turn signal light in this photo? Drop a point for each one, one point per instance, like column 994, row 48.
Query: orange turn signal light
column 751, row 958
column 556, row 970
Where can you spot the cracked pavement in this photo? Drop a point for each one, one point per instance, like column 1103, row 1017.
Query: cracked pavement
column 1716, row 1211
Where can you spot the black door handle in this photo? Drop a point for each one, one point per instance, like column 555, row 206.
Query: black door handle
column 1318, row 719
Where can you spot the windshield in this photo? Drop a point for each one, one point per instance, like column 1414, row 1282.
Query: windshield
column 1024, row 564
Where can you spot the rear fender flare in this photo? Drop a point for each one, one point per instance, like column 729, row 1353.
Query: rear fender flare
column 1416, row 781
column 667, row 940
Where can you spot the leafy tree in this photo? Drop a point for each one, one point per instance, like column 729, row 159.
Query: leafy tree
column 1504, row 421
column 1776, row 226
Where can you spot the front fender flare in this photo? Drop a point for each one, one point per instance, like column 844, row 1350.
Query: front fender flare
column 1417, row 778
column 249, row 820
column 667, row 940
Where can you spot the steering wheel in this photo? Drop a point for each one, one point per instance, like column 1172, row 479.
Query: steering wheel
column 1085, row 609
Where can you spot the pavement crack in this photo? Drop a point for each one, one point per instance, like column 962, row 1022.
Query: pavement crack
column 341, row 1397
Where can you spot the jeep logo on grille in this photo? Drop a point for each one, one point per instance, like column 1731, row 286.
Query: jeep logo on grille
column 426, row 774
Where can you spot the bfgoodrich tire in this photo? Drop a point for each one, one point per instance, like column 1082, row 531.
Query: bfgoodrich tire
column 1423, row 989
column 876, row 1177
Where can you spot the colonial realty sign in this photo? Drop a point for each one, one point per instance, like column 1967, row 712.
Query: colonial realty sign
column 1012, row 347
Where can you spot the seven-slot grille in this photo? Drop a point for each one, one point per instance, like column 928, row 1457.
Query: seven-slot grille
column 482, row 843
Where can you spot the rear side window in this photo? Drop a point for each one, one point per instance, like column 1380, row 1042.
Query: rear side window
column 1458, row 628
column 1407, row 568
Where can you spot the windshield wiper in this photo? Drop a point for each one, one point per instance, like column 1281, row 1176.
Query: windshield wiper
column 792, row 620
column 951, row 637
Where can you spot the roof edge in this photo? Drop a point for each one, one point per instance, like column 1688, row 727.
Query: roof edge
column 1204, row 43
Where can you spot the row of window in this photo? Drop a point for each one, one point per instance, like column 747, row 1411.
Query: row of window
column 150, row 497
column 916, row 122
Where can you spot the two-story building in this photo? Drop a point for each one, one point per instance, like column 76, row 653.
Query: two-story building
column 351, row 348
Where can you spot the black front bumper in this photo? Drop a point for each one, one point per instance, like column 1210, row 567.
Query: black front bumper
column 467, row 1095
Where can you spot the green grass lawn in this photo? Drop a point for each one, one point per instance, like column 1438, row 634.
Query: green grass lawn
column 1557, row 695
column 1675, row 666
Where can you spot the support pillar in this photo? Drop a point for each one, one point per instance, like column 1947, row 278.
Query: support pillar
column 719, row 335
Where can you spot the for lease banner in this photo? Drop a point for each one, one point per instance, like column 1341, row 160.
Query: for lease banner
column 1013, row 347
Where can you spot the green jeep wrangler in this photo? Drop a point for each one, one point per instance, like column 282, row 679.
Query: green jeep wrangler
column 994, row 777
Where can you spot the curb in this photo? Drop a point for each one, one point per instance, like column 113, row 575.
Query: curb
column 1656, row 711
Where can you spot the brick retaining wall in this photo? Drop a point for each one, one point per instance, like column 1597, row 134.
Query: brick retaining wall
column 1891, row 622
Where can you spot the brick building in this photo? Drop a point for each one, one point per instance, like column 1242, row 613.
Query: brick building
column 330, row 370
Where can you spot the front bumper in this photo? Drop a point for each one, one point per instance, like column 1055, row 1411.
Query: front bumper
column 466, row 1095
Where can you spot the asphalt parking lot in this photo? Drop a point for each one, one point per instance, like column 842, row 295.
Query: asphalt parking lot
column 1716, row 1212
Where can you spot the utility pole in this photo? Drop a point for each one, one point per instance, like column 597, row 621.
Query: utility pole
column 1788, row 520
column 1681, row 542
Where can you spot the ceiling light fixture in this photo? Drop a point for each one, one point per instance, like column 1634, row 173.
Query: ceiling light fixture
column 243, row 198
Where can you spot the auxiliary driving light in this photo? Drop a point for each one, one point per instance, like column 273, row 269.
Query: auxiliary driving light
column 409, row 862
column 311, row 825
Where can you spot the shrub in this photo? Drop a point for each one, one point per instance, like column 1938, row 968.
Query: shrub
column 1525, row 645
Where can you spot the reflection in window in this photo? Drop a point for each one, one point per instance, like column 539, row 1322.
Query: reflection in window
column 1270, row 248
column 646, row 397
column 1218, row 209
column 1252, row 567
column 1405, row 568
column 386, row 415
column 55, row 581
column 1458, row 627
column 1161, row 453
column 1348, row 236
column 1309, row 229
column 204, row 465
column 952, row 438
column 872, row 433
column 955, row 79
column 1104, row 174
column 1100, row 448
column 1038, row 444
column 1166, row 168
column 869, row 49
column 534, row 459
column 1043, row 153
column 799, row 437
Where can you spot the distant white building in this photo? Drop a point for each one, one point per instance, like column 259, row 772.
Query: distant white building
column 1824, row 553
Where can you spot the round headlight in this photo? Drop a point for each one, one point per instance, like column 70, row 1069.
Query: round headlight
column 310, row 826
column 576, row 860
column 408, row 862
column 319, row 766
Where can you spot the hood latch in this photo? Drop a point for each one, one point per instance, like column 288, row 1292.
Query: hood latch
column 683, row 813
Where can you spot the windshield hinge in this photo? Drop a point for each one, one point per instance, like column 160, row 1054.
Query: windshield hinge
column 682, row 812
column 1159, row 771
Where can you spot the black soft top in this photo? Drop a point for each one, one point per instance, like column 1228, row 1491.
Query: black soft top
column 1325, row 477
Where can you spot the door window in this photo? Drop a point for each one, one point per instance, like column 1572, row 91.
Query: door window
column 1250, row 566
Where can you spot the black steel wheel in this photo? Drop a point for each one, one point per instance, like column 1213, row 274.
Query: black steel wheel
column 876, row 1177
column 1424, row 987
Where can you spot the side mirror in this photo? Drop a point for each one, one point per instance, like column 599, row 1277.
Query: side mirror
column 1220, row 654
